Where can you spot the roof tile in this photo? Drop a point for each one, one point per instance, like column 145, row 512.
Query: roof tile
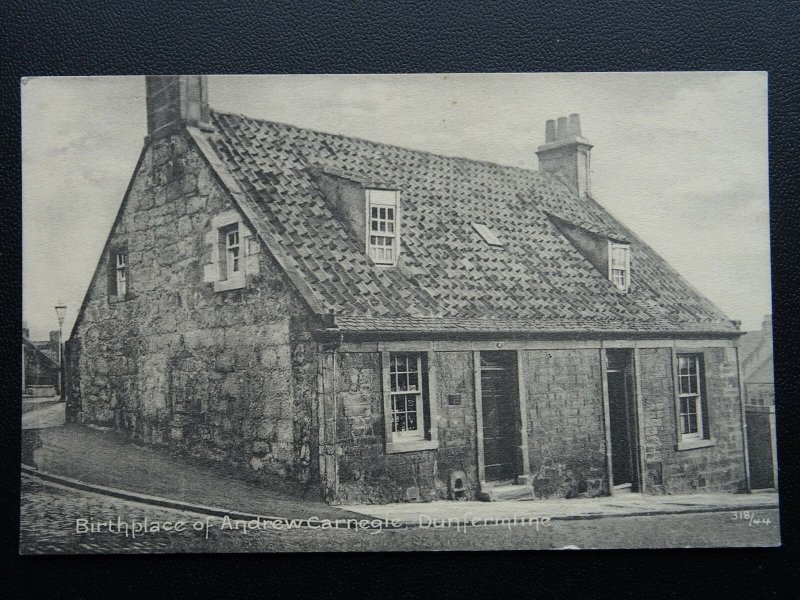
column 448, row 276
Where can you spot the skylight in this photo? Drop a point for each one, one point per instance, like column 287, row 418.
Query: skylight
column 487, row 234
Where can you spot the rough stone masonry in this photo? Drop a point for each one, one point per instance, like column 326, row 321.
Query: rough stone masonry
column 174, row 362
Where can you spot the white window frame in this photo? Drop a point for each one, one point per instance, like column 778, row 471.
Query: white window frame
column 233, row 251
column 696, row 398
column 387, row 200
column 413, row 365
column 426, row 436
column 625, row 284
column 121, row 262
column 222, row 275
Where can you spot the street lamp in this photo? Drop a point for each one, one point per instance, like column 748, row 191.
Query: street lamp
column 61, row 311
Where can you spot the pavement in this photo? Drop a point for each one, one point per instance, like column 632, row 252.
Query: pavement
column 619, row 505
column 105, row 462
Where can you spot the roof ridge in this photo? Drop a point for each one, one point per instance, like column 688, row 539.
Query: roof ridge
column 477, row 161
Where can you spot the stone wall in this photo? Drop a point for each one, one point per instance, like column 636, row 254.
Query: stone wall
column 719, row 467
column 566, row 437
column 225, row 374
column 566, row 427
column 366, row 473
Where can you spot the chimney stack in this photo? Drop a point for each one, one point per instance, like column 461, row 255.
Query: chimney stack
column 565, row 154
column 175, row 102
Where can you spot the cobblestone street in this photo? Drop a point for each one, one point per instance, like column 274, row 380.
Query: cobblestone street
column 49, row 513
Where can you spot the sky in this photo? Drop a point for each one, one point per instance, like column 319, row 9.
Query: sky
column 680, row 158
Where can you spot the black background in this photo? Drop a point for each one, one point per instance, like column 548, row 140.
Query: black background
column 114, row 38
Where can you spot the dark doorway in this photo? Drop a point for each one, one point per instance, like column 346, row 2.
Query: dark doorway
column 500, row 410
column 622, row 413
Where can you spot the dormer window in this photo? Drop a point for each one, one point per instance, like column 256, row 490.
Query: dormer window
column 383, row 226
column 619, row 265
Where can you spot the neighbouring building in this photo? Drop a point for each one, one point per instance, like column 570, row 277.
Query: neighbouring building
column 39, row 365
column 387, row 324
column 755, row 355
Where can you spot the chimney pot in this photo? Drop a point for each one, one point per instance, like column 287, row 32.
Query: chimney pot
column 561, row 132
column 550, row 131
column 574, row 126
column 565, row 154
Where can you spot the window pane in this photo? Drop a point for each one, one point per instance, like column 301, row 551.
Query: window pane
column 619, row 257
column 413, row 383
column 411, row 421
column 685, row 424
column 402, row 382
column 689, row 416
column 692, row 426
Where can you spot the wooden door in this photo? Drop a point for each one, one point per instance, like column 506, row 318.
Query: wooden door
column 500, row 410
column 622, row 413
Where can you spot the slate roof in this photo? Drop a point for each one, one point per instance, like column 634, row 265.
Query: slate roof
column 449, row 278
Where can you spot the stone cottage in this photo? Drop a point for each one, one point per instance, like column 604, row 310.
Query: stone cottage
column 385, row 324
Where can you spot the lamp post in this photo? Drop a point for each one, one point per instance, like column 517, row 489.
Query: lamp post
column 61, row 310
